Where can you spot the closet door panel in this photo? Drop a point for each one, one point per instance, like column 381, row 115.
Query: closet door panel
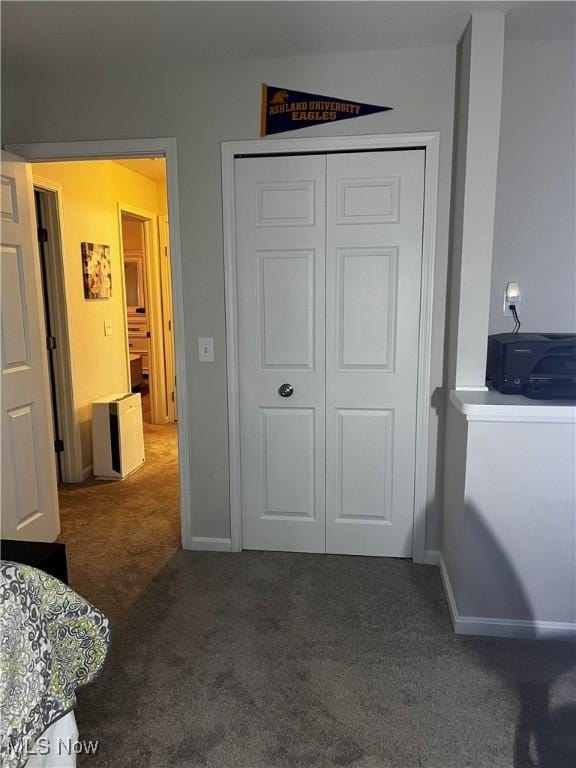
column 373, row 269
column 280, row 251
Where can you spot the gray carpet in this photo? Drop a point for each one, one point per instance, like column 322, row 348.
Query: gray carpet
column 271, row 660
column 119, row 535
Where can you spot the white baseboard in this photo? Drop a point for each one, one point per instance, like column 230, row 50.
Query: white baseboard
column 516, row 628
column 511, row 628
column 448, row 591
column 87, row 472
column 209, row 544
column 431, row 557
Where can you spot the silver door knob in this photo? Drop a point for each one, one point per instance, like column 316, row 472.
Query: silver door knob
column 286, row 390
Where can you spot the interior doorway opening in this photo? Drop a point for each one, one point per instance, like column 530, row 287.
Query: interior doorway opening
column 149, row 315
column 105, row 259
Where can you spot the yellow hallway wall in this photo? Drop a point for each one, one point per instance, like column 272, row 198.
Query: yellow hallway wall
column 90, row 193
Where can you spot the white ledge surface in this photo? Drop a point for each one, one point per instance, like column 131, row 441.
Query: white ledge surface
column 494, row 406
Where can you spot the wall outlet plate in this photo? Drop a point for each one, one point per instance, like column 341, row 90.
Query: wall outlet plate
column 206, row 350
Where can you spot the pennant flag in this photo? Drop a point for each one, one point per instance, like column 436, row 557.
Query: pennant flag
column 285, row 110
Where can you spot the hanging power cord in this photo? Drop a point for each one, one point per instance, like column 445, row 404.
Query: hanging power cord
column 517, row 322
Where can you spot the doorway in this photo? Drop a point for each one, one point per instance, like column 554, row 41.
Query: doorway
column 110, row 209
column 149, row 312
column 22, row 155
column 137, row 307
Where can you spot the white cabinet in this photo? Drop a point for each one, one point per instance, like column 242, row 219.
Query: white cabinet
column 117, row 435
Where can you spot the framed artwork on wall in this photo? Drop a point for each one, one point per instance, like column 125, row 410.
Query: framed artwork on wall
column 96, row 270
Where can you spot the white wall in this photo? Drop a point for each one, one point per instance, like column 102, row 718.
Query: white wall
column 477, row 127
column 535, row 204
column 461, row 98
column 201, row 109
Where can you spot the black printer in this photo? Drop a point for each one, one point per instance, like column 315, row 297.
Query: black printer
column 537, row 365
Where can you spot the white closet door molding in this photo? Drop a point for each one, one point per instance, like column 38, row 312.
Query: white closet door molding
column 366, row 204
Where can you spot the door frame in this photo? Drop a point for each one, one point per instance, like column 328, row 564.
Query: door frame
column 167, row 316
column 130, row 148
column 72, row 470
column 152, row 289
column 430, row 142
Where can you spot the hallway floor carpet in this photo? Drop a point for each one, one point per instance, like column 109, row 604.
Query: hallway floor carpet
column 119, row 534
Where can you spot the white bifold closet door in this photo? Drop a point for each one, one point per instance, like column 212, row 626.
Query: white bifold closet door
column 329, row 252
column 280, row 259
column 373, row 267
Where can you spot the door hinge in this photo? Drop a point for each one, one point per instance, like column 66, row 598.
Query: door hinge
column 50, row 342
column 42, row 235
column 172, row 396
column 59, row 446
column 169, row 325
column 148, row 334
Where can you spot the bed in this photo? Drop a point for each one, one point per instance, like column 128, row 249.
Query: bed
column 53, row 642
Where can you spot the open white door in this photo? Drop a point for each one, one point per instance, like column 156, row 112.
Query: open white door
column 29, row 492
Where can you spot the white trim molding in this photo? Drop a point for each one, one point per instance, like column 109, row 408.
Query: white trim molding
column 511, row 628
column 431, row 557
column 86, row 473
column 158, row 147
column 494, row 406
column 430, row 142
column 51, row 191
column 209, row 544
column 154, row 301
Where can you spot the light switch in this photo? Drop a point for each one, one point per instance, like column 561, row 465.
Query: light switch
column 206, row 350
column 107, row 327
